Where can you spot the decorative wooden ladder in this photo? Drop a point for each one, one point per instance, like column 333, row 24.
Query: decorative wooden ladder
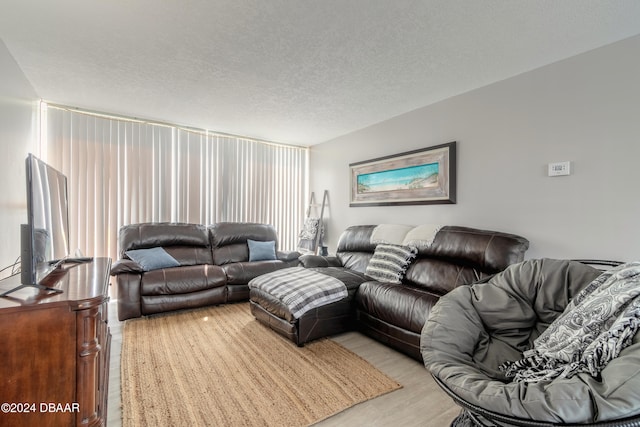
column 312, row 204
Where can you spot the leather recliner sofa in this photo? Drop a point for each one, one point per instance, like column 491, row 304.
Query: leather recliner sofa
column 214, row 266
column 393, row 314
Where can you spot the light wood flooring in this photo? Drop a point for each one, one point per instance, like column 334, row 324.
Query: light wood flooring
column 419, row 403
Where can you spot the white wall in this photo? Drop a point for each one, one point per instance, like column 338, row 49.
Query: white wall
column 18, row 135
column 585, row 109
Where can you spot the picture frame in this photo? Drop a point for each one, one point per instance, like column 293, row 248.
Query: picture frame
column 418, row 177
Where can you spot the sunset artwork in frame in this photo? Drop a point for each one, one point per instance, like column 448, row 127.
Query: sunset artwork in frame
column 424, row 176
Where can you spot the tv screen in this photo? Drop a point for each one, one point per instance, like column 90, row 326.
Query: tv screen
column 46, row 235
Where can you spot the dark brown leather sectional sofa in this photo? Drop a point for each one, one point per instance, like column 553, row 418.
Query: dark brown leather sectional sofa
column 214, row 265
column 215, row 269
column 393, row 313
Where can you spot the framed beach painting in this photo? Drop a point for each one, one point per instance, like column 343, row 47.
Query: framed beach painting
column 424, row 176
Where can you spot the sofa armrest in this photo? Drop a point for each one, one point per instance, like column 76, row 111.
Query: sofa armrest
column 129, row 295
column 125, row 266
column 311, row 261
column 288, row 256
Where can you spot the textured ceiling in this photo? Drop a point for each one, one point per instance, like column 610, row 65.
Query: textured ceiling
column 292, row 71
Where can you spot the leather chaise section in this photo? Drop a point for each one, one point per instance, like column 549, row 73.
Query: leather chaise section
column 271, row 304
column 329, row 319
column 392, row 313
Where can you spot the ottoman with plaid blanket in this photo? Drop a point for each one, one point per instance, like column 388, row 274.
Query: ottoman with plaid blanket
column 304, row 304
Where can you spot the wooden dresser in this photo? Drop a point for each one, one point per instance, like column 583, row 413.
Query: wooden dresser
column 54, row 349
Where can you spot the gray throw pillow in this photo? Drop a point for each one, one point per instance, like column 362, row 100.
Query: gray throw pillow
column 152, row 258
column 262, row 251
column 389, row 262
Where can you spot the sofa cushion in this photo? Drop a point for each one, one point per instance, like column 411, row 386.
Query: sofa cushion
column 162, row 303
column 440, row 276
column 389, row 262
column 351, row 279
column 152, row 258
column 190, row 255
column 242, row 272
column 485, row 250
column 261, row 251
column 162, row 234
column 400, row 305
column 310, row 261
column 355, row 248
column 189, row 244
column 182, row 280
column 229, row 240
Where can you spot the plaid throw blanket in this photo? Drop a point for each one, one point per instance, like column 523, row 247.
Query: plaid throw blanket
column 300, row 289
column 594, row 327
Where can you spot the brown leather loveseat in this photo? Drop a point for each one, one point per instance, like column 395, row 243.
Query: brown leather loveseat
column 208, row 265
column 393, row 313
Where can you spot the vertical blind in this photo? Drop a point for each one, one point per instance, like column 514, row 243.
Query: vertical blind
column 124, row 171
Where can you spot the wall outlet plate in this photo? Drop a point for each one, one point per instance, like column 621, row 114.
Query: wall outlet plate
column 559, row 168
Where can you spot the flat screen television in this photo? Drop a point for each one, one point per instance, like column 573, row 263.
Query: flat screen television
column 48, row 221
column 45, row 237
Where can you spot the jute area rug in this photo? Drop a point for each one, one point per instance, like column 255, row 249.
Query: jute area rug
column 218, row 366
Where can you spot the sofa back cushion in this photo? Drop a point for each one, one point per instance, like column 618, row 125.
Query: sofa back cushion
column 229, row 240
column 189, row 244
column 457, row 255
column 355, row 248
column 462, row 255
